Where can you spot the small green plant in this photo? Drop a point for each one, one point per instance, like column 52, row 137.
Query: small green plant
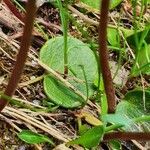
column 77, row 62
column 33, row 138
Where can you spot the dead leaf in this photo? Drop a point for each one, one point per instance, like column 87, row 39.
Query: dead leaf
column 89, row 118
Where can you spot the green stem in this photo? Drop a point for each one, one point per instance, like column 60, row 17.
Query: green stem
column 113, row 127
column 64, row 20
column 86, row 81
column 18, row 4
column 142, row 119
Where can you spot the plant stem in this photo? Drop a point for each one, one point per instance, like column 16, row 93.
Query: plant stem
column 127, row 136
column 142, row 119
column 14, row 10
column 103, row 55
column 19, row 6
column 45, row 36
column 113, row 127
column 64, row 20
column 22, row 55
column 86, row 82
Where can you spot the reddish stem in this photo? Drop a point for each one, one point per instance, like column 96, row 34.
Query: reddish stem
column 108, row 84
column 22, row 55
column 14, row 10
column 65, row 72
column 103, row 55
column 127, row 136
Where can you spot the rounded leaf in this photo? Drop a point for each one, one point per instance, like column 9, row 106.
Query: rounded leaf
column 60, row 94
column 79, row 54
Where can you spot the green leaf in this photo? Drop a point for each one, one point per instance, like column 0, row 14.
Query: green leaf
column 104, row 104
column 116, row 119
column 143, row 61
column 33, row 138
column 114, row 3
column 91, row 138
column 135, row 97
column 60, row 94
column 113, row 37
column 83, row 128
column 139, row 35
column 103, row 99
column 115, row 145
column 133, row 107
column 140, row 42
column 96, row 4
column 79, row 54
column 127, row 32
